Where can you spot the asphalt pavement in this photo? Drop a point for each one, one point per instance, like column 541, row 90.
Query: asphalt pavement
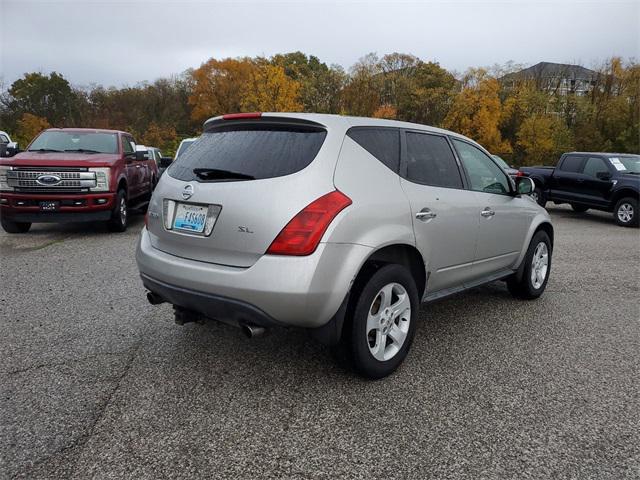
column 96, row 383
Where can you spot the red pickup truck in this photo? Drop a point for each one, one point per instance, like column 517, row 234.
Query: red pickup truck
column 74, row 175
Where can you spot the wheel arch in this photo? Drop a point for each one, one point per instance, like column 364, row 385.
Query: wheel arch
column 622, row 193
column 398, row 253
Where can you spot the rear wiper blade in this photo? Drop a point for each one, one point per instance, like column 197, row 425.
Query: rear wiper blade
column 82, row 150
column 45, row 150
column 215, row 174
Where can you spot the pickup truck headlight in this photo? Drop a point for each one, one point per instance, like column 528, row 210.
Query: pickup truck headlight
column 4, row 184
column 102, row 179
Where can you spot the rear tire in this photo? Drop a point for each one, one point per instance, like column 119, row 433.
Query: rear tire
column 119, row 217
column 539, row 196
column 15, row 227
column 579, row 208
column 537, row 268
column 626, row 212
column 382, row 324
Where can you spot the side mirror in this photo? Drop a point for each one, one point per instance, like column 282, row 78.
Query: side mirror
column 141, row 155
column 9, row 149
column 165, row 162
column 603, row 176
column 524, row 185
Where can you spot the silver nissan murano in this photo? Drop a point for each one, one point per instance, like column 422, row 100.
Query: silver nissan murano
column 338, row 225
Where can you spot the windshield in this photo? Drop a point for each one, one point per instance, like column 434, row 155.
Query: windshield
column 501, row 163
column 82, row 142
column 630, row 164
column 249, row 152
column 183, row 147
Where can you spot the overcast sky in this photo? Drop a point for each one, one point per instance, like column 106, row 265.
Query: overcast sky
column 125, row 42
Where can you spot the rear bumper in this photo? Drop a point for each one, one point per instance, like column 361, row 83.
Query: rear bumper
column 222, row 307
column 289, row 291
column 25, row 207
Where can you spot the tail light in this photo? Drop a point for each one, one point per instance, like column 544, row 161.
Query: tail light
column 303, row 233
column 519, row 174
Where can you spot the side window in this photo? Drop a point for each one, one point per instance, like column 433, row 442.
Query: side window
column 127, row 146
column 4, row 139
column 594, row 166
column 430, row 161
column 571, row 163
column 484, row 174
column 382, row 143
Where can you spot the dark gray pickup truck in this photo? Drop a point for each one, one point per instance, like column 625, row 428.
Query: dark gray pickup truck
column 602, row 181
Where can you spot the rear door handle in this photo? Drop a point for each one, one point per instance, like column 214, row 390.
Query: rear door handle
column 426, row 214
column 487, row 212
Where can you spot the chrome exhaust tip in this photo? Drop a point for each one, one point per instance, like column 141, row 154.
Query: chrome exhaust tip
column 252, row 331
column 154, row 299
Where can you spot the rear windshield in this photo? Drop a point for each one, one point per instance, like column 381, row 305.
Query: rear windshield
column 248, row 152
column 81, row 142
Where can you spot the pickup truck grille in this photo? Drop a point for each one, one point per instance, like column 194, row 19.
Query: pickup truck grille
column 46, row 180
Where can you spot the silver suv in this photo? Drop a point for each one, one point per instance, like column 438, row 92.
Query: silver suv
column 337, row 225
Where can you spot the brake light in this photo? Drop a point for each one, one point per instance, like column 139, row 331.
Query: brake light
column 303, row 233
column 240, row 116
column 519, row 174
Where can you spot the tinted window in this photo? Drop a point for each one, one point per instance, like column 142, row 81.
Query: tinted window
column 430, row 161
column 76, row 141
column 571, row 163
column 594, row 166
column 4, row 139
column 382, row 143
column 254, row 151
column 484, row 174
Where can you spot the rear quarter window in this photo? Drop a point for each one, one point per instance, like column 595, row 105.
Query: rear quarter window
column 382, row 143
column 254, row 151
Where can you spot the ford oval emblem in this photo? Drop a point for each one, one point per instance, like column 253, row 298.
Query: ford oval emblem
column 187, row 191
column 48, row 179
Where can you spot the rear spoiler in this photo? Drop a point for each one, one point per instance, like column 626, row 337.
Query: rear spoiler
column 231, row 119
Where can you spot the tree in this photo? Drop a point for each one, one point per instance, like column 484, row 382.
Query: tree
column 543, row 137
column 49, row 97
column 163, row 137
column 219, row 86
column 386, row 111
column 28, row 127
column 476, row 111
column 269, row 89
column 430, row 97
column 364, row 91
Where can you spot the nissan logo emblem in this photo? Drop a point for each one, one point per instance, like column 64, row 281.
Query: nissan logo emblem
column 48, row 179
column 187, row 191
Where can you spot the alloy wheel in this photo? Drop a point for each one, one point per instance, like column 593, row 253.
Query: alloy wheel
column 539, row 265
column 625, row 212
column 388, row 321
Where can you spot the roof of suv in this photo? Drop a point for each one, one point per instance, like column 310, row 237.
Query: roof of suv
column 333, row 120
column 603, row 153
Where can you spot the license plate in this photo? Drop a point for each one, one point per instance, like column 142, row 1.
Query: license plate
column 49, row 206
column 190, row 218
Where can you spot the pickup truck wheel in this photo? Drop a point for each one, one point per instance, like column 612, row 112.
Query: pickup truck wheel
column 626, row 212
column 119, row 217
column 383, row 323
column 15, row 227
column 539, row 196
column 537, row 266
column 579, row 208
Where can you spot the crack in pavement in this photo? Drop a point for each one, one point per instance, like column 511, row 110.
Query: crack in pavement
column 61, row 364
column 80, row 441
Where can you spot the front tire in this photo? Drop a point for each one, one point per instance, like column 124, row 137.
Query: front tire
column 119, row 217
column 539, row 196
column 626, row 212
column 15, row 227
column 380, row 332
column 537, row 267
